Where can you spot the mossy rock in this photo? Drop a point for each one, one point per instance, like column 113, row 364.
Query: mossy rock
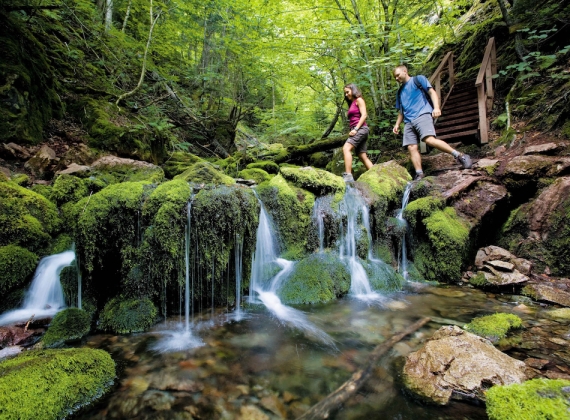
column 27, row 219
column 68, row 188
column 267, row 165
column 494, row 327
column 21, row 179
column 382, row 277
column 67, row 326
column 419, row 209
column 440, row 255
column 531, row 400
column 318, row 278
column 53, row 384
column 17, row 265
column 179, row 162
column 258, row 175
column 317, row 181
column 61, row 243
column 386, row 179
column 124, row 316
column 205, row 173
column 290, row 208
column 41, row 189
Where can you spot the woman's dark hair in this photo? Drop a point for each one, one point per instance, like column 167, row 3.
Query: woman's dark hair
column 356, row 93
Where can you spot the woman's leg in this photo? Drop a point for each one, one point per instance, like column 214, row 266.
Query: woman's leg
column 364, row 159
column 347, row 153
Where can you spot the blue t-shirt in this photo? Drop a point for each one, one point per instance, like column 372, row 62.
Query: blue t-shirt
column 414, row 102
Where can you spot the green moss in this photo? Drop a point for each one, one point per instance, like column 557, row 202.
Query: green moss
column 44, row 190
column 61, row 243
column 536, row 399
column 67, row 326
column 68, row 188
column 21, row 179
column 382, row 277
column 205, row 173
column 494, row 327
column 124, row 316
column 422, row 208
column 26, row 218
column 17, row 265
column 320, row 159
column 178, row 162
column 258, row 175
column 318, row 278
column 53, row 384
column 479, row 280
column 317, row 181
column 267, row 165
column 440, row 258
column 290, row 208
column 387, row 179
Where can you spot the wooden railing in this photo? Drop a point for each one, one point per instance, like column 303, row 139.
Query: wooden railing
column 484, row 85
column 435, row 78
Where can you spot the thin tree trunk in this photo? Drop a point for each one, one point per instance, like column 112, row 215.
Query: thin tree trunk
column 324, row 408
column 137, row 87
column 108, row 15
column 519, row 46
column 333, row 122
column 127, row 13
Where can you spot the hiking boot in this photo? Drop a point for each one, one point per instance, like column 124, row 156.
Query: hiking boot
column 464, row 160
column 347, row 177
column 419, row 176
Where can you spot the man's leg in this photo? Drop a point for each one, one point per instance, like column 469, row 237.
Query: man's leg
column 347, row 153
column 463, row 159
column 364, row 159
column 415, row 157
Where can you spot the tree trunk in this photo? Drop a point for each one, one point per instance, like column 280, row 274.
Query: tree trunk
column 293, row 152
column 108, row 15
column 519, row 46
column 127, row 13
column 330, row 128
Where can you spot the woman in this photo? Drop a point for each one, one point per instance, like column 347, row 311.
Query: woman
column 358, row 131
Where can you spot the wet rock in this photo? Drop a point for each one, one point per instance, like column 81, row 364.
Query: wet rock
column 13, row 151
column 562, row 314
column 544, row 206
column 501, row 278
column 501, row 265
column 536, row 363
column 273, row 404
column 288, row 397
column 440, row 291
column 75, row 169
column 523, row 308
column 547, row 293
column 41, row 165
column 552, row 374
column 5, row 171
column 460, row 365
column 158, row 400
column 558, row 341
column 10, row 351
column 534, row 166
column 543, row 149
column 488, row 165
column 251, row 412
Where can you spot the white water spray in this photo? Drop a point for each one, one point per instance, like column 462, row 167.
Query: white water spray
column 45, row 296
column 403, row 263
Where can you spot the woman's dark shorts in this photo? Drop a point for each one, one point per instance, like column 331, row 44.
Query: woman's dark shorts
column 359, row 140
column 418, row 129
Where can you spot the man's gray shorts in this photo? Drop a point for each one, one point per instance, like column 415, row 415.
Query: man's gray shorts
column 418, row 129
column 359, row 140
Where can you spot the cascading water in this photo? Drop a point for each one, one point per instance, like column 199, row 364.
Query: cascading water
column 178, row 340
column 265, row 282
column 403, row 263
column 321, row 204
column 45, row 296
column 238, row 254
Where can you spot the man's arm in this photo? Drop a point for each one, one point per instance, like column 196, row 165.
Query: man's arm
column 399, row 120
column 435, row 100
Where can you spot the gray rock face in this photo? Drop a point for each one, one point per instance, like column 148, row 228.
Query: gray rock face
column 41, row 165
column 459, row 365
column 544, row 149
column 548, row 293
column 500, row 267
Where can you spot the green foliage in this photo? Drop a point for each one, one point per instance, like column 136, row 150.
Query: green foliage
column 27, row 219
column 258, row 175
column 290, row 208
column 17, row 265
column 319, row 278
column 21, row 179
column 53, row 384
column 494, row 327
column 67, row 326
column 317, row 181
column 531, row 400
column 124, row 316
column 479, row 280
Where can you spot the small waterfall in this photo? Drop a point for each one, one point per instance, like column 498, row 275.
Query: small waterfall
column 45, row 296
column 354, row 206
column 403, row 263
column 79, row 282
column 238, row 254
column 319, row 216
column 268, row 272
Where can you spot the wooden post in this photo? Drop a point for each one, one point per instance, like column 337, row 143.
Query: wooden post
column 451, row 72
column 481, row 100
column 438, row 88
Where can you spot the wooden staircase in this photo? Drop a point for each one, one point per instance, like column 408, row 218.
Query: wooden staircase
column 464, row 109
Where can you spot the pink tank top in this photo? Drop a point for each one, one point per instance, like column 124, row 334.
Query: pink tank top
column 353, row 115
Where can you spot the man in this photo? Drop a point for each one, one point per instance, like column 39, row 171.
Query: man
column 418, row 114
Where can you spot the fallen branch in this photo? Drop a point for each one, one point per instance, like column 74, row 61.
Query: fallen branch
column 29, row 322
column 324, row 408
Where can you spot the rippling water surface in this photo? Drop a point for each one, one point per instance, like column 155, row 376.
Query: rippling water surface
column 259, row 368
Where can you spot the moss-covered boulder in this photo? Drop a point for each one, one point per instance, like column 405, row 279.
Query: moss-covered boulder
column 258, row 175
column 540, row 230
column 68, row 188
column 67, row 326
column 318, row 278
column 382, row 277
column 531, row 400
column 53, row 384
column 317, row 181
column 17, row 266
column 290, row 208
column 494, row 327
column 441, row 251
column 124, row 316
column 386, row 179
column 203, row 172
column 113, row 169
column 27, row 219
column 178, row 162
column 267, row 165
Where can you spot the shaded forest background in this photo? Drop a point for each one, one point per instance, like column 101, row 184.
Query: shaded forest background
column 144, row 78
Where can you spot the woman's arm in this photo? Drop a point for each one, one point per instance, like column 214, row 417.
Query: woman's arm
column 363, row 115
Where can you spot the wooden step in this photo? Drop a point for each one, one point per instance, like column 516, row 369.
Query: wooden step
column 447, row 122
column 457, row 127
column 460, row 109
column 460, row 134
column 462, row 102
column 461, row 94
